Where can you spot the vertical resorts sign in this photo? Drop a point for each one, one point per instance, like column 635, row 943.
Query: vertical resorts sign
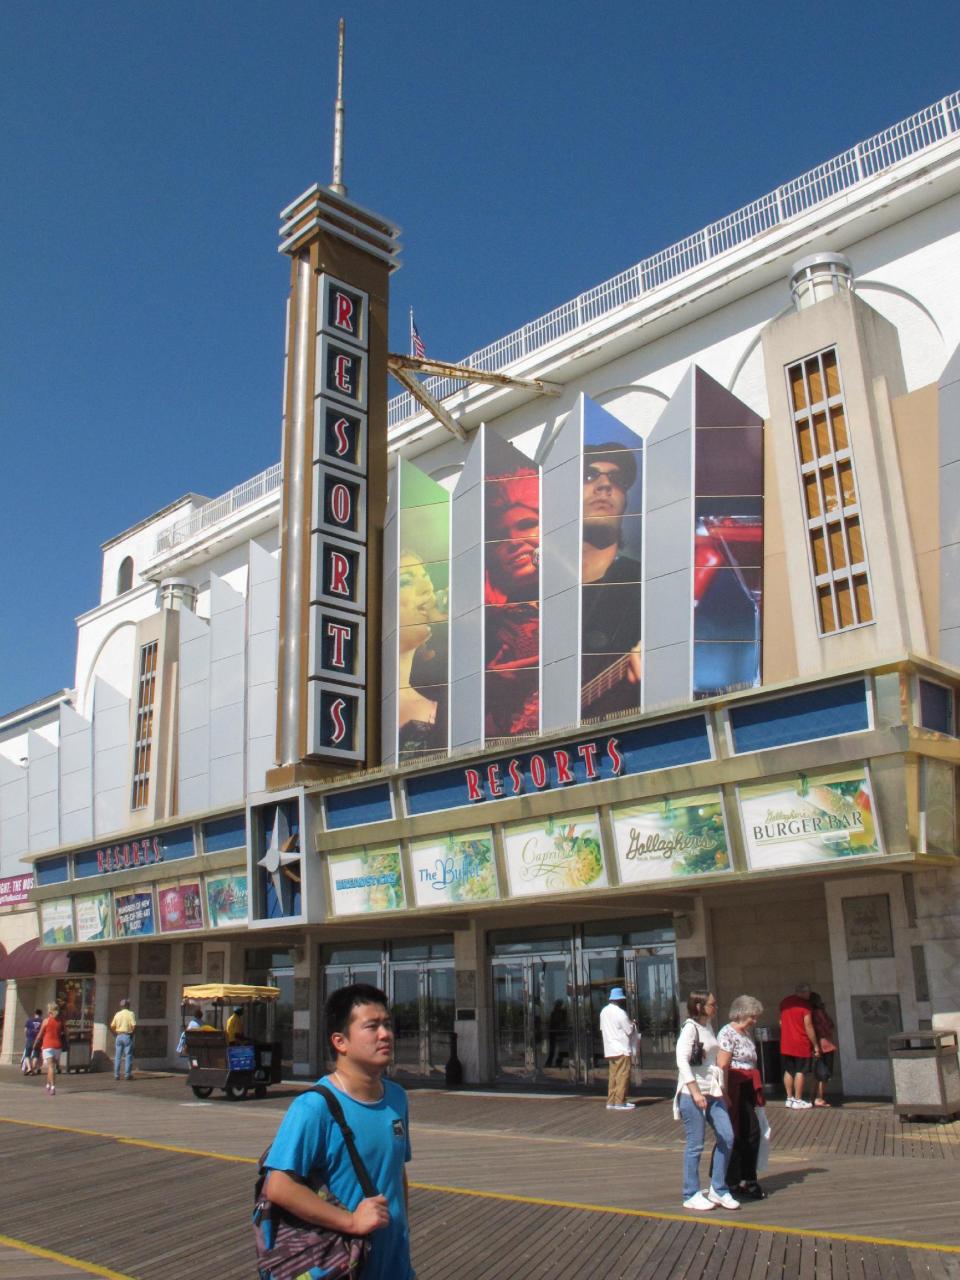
column 339, row 524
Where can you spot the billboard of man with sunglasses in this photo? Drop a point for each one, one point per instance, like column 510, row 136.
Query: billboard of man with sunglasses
column 610, row 662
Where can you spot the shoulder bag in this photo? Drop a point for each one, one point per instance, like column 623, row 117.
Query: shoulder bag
column 297, row 1245
column 696, row 1053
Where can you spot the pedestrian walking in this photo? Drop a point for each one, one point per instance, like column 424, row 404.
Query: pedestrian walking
column 31, row 1056
column 310, row 1149
column 798, row 1044
column 738, row 1056
column 123, row 1025
column 825, row 1032
column 49, row 1043
column 699, row 1101
column 620, row 1040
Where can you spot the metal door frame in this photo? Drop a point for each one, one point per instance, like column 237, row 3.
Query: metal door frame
column 532, row 989
column 421, row 967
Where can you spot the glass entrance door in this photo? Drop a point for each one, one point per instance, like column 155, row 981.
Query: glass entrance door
column 283, row 1014
column 422, row 1004
column 653, row 984
column 534, row 1018
column 510, row 1019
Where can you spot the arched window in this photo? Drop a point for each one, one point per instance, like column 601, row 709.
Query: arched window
column 125, row 575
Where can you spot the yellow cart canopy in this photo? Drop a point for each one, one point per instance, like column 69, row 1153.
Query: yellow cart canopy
column 230, row 993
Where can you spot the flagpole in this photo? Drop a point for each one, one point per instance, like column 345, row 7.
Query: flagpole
column 411, row 330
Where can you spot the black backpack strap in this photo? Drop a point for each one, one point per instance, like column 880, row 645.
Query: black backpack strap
column 359, row 1168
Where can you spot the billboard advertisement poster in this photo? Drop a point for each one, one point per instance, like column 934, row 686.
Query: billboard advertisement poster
column 678, row 836
column 366, row 880
column 456, row 868
column 181, row 906
column 133, row 913
column 611, row 570
column 94, row 918
column 563, row 856
column 56, row 921
column 76, row 996
column 226, row 900
column 511, row 593
column 14, row 889
column 423, row 592
column 815, row 817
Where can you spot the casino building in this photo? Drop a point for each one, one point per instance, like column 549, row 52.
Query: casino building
column 636, row 660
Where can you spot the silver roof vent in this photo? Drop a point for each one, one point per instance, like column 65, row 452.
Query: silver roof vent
column 819, row 276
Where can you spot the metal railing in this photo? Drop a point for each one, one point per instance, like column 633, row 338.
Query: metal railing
column 850, row 169
column 213, row 512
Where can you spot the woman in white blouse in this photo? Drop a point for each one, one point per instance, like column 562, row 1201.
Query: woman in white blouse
column 700, row 1101
column 738, row 1054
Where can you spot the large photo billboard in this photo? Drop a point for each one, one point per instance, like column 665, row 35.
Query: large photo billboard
column 423, row 612
column 512, row 601
column 611, row 565
column 728, row 541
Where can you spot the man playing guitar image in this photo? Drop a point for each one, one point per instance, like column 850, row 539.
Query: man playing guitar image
column 611, row 590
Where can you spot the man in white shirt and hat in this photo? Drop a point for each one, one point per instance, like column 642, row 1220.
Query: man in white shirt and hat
column 620, row 1040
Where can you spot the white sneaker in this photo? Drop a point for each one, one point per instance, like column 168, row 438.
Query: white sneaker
column 799, row 1104
column 625, row 1106
column 611, row 1106
column 726, row 1200
column 790, row 1102
column 699, row 1202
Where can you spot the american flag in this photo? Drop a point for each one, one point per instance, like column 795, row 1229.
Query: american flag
column 417, row 348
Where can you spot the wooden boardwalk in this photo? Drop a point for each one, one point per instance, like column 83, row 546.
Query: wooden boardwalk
column 140, row 1182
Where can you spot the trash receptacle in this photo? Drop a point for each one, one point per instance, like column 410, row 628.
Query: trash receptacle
column 768, row 1060
column 79, row 1051
column 926, row 1073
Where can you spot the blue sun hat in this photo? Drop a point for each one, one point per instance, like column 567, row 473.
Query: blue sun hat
column 618, row 993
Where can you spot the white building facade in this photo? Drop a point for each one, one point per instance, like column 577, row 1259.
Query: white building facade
column 668, row 653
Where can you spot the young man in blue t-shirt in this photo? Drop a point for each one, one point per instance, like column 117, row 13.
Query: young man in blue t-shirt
column 309, row 1152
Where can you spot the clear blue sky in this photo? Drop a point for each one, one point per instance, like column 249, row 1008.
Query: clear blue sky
column 528, row 150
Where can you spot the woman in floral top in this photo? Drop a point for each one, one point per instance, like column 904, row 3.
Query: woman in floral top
column 738, row 1053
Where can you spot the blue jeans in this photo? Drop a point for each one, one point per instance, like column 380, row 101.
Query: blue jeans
column 124, row 1050
column 695, row 1123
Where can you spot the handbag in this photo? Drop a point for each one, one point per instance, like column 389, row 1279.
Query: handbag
column 297, row 1245
column 696, row 1053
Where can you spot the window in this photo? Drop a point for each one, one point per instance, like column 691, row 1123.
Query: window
column 125, row 575
column 143, row 743
column 936, row 707
column 838, row 558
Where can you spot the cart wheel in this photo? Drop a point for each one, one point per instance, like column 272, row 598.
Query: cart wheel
column 201, row 1090
column 260, row 1091
column 236, row 1092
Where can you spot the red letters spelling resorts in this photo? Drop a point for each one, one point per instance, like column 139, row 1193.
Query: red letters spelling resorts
column 339, row 524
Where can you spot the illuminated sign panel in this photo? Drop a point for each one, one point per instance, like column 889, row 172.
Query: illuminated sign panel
column 337, row 701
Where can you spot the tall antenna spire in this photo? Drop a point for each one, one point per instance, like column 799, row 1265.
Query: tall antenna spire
column 337, row 184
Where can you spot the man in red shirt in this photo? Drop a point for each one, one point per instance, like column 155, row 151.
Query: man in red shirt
column 798, row 1043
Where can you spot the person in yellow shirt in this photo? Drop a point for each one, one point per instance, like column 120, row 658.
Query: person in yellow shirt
column 123, row 1025
column 235, row 1033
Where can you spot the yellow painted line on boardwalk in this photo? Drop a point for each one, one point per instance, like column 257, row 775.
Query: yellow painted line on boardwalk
column 123, row 1140
column 506, row 1197
column 51, row 1255
column 706, row 1219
